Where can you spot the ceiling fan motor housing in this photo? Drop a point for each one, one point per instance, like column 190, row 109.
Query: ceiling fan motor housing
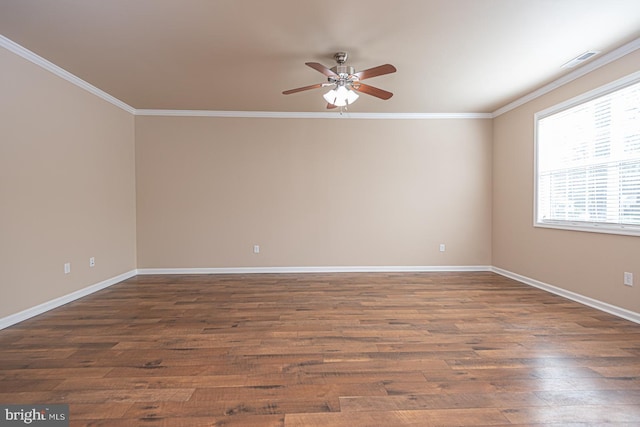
column 344, row 71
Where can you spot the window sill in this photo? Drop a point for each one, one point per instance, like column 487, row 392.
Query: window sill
column 624, row 230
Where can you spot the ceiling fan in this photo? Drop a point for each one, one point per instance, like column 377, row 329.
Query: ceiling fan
column 346, row 82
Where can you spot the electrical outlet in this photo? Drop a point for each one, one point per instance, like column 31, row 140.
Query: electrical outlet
column 628, row 278
column 256, row 249
column 67, row 267
column 92, row 262
column 442, row 247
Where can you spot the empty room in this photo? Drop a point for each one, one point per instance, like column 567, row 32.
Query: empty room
column 302, row 213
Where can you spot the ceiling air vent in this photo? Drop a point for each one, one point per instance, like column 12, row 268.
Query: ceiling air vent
column 580, row 59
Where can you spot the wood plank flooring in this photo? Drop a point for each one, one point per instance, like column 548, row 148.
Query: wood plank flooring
column 330, row 350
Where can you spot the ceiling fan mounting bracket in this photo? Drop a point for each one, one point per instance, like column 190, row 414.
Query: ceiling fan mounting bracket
column 340, row 57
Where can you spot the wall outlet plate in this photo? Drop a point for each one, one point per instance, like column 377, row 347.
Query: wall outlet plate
column 628, row 278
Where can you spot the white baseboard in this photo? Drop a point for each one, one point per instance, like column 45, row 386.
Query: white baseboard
column 590, row 302
column 50, row 305
column 335, row 269
column 54, row 303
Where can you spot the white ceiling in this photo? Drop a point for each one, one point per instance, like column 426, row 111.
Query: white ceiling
column 452, row 56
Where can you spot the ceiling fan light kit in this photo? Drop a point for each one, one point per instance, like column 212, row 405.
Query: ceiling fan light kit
column 341, row 96
column 346, row 82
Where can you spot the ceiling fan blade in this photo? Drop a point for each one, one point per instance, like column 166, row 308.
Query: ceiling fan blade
column 370, row 90
column 331, row 106
column 319, row 67
column 375, row 71
column 300, row 89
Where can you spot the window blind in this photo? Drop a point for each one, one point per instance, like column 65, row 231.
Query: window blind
column 588, row 162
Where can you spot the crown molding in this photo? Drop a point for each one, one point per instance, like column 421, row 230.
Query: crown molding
column 576, row 74
column 14, row 47
column 567, row 78
column 64, row 74
column 311, row 115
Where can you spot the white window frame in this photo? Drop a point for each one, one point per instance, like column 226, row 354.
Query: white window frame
column 631, row 230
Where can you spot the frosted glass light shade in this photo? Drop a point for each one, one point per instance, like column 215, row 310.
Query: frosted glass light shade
column 330, row 96
column 352, row 96
column 340, row 96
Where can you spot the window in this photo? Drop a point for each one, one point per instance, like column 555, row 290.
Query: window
column 588, row 161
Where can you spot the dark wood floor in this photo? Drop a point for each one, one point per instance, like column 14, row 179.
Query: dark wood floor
column 330, row 350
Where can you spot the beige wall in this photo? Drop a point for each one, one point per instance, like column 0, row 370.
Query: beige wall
column 312, row 192
column 67, row 187
column 586, row 263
